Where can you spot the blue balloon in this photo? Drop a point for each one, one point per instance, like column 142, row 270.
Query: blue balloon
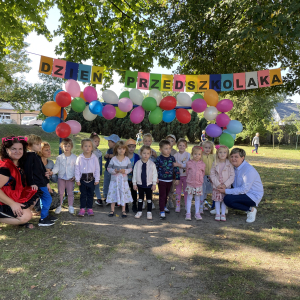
column 49, row 125
column 100, row 114
column 54, row 95
column 232, row 134
column 235, row 126
column 169, row 115
column 95, row 107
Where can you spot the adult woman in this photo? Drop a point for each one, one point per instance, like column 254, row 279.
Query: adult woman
column 15, row 196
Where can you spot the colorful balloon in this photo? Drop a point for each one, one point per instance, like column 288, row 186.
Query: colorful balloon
column 65, row 114
column 75, row 126
column 109, row 112
column 149, row 104
column 137, row 115
column 169, row 115
column 197, row 96
column 88, row 115
column 136, row 96
column 95, row 107
column 210, row 113
column 211, row 97
column 156, row 94
column 124, row 94
column 168, row 103
column 183, row 116
column 232, row 134
column 224, row 105
column 73, row 88
column 110, row 96
column 54, row 95
column 155, row 116
column 184, row 99
column 50, row 124
column 235, row 126
column 82, row 96
column 125, row 104
column 199, row 105
column 63, row 99
column 78, row 104
column 213, row 130
column 50, row 109
column 226, row 140
column 222, row 120
column 90, row 94
column 120, row 114
column 63, row 130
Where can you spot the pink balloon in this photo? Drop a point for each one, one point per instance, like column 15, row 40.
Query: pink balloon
column 90, row 94
column 73, row 88
column 222, row 120
column 109, row 112
column 125, row 104
column 199, row 105
column 137, row 115
column 224, row 105
column 75, row 126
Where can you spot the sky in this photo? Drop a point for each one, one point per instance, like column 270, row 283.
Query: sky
column 39, row 45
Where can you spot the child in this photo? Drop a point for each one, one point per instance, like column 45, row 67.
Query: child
column 131, row 145
column 165, row 170
column 87, row 175
column 65, row 168
column 182, row 157
column 35, row 173
column 119, row 167
column 96, row 141
column 139, row 136
column 48, row 163
column 144, row 179
column 221, row 175
column 203, row 137
column 112, row 140
column 207, row 158
column 172, row 139
column 255, row 143
column 195, row 170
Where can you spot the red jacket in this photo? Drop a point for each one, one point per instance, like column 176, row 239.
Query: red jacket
column 19, row 194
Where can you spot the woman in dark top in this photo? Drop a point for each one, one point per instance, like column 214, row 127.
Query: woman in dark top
column 16, row 197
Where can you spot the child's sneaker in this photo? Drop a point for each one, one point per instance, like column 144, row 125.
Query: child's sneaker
column 52, row 218
column 138, row 215
column 177, row 208
column 90, row 212
column 71, row 210
column 252, row 151
column 45, row 222
column 166, row 210
column 213, row 212
column 99, row 202
column 205, row 208
column 217, row 218
column 223, row 218
column 58, row 210
column 198, row 216
column 201, row 211
column 144, row 205
column 188, row 217
column 149, row 215
column 162, row 215
column 81, row 212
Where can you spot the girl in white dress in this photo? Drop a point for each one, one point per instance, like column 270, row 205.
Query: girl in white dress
column 119, row 191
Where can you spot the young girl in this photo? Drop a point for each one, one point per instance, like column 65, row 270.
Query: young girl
column 195, row 170
column 182, row 157
column 221, row 175
column 87, row 175
column 144, row 180
column 65, row 168
column 96, row 141
column 119, row 191
column 207, row 158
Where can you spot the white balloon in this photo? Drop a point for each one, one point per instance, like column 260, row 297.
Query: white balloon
column 156, row 94
column 136, row 96
column 184, row 99
column 88, row 115
column 110, row 96
column 210, row 113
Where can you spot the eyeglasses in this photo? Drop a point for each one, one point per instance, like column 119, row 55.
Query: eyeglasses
column 11, row 138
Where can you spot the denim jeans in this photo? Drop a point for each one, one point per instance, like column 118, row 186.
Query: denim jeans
column 97, row 191
column 106, row 183
column 86, row 194
column 46, row 200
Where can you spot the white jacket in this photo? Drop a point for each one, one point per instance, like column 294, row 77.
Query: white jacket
column 151, row 173
column 65, row 164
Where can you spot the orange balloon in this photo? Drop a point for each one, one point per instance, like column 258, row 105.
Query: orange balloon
column 81, row 96
column 65, row 114
column 50, row 109
column 211, row 97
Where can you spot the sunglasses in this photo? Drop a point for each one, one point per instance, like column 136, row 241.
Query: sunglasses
column 11, row 138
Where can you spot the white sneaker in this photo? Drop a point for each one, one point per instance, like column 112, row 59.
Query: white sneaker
column 251, row 215
column 162, row 215
column 167, row 211
column 58, row 210
column 71, row 210
column 213, row 212
column 149, row 215
column 144, row 205
column 153, row 206
column 138, row 214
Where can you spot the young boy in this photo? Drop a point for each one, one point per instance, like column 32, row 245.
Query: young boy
column 35, row 173
column 203, row 137
column 112, row 140
column 166, row 171
column 131, row 145
column 147, row 141
column 172, row 139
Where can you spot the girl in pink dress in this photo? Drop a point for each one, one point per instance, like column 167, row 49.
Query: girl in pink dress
column 221, row 174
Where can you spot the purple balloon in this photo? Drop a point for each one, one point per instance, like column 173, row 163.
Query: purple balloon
column 75, row 126
column 199, row 105
column 213, row 130
column 137, row 115
column 109, row 112
column 222, row 120
column 125, row 104
column 224, row 105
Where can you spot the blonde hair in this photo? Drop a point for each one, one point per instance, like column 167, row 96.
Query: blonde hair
column 87, row 140
column 147, row 135
column 65, row 142
column 195, row 149
column 212, row 145
column 217, row 152
column 43, row 145
column 120, row 144
column 182, row 141
column 33, row 139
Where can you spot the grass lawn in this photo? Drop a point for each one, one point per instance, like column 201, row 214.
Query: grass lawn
column 115, row 258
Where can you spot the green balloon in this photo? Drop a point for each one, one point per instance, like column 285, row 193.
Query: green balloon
column 149, row 104
column 78, row 104
column 124, row 94
column 227, row 140
column 155, row 116
column 197, row 96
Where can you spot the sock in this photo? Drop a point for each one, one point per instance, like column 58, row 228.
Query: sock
column 149, row 205
column 189, row 203
column 197, row 204
column 140, row 205
column 217, row 204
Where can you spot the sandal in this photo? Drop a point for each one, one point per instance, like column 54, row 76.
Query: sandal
column 27, row 225
column 111, row 214
column 124, row 214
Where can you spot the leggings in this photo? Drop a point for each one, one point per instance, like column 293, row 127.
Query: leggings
column 142, row 192
column 69, row 186
column 189, row 203
column 179, row 187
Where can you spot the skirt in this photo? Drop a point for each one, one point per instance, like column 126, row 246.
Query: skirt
column 194, row 191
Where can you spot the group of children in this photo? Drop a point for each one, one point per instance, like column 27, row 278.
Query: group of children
column 130, row 177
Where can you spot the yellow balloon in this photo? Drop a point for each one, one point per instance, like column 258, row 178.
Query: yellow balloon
column 120, row 114
column 50, row 109
column 211, row 97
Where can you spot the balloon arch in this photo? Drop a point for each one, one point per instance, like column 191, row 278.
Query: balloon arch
column 161, row 109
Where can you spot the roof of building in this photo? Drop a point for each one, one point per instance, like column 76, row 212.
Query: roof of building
column 8, row 106
column 286, row 109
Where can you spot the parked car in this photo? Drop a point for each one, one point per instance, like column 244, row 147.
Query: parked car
column 35, row 122
column 7, row 121
column 27, row 119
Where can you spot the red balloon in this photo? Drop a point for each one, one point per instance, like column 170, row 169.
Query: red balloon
column 63, row 130
column 168, row 103
column 183, row 116
column 63, row 99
